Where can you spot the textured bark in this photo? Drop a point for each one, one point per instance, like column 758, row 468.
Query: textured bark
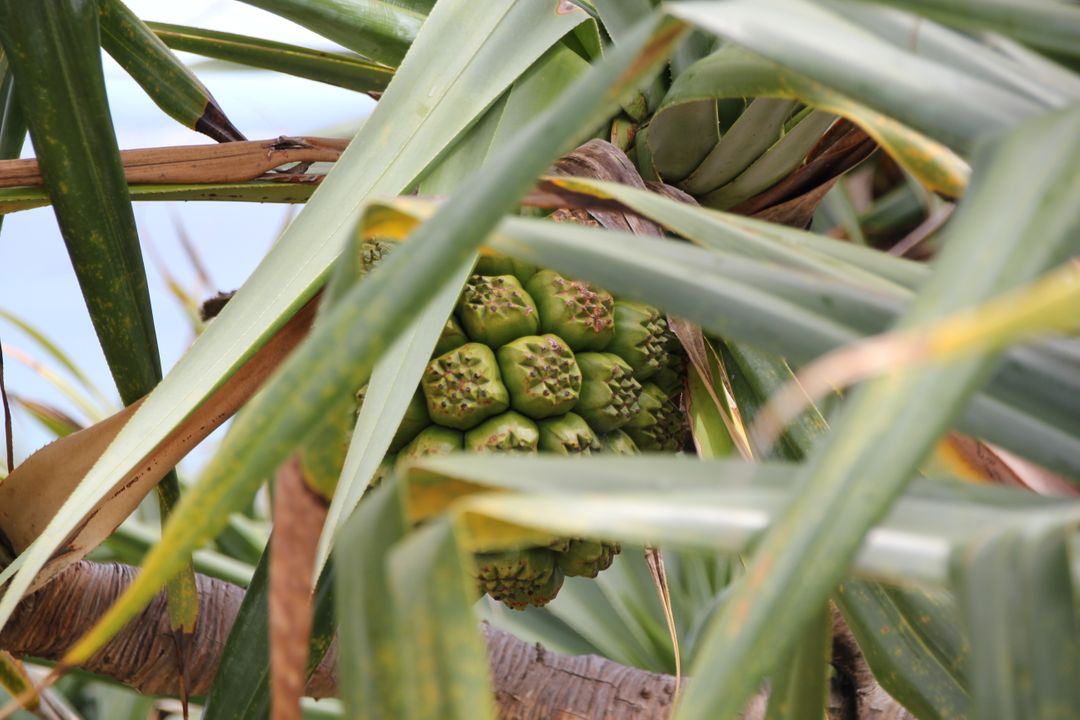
column 530, row 682
column 534, row 684
column 47, row 623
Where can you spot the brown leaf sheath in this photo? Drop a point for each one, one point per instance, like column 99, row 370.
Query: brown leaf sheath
column 34, row 492
column 183, row 164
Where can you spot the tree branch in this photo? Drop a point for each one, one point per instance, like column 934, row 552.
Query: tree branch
column 530, row 682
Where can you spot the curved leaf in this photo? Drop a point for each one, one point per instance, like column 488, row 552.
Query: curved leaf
column 398, row 373
column 439, row 94
column 53, row 51
column 1053, row 27
column 167, row 81
column 337, row 357
column 732, row 72
column 381, row 30
column 951, row 107
column 352, row 73
column 915, row 406
column 1034, row 417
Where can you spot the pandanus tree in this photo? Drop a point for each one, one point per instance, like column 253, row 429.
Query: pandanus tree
column 797, row 276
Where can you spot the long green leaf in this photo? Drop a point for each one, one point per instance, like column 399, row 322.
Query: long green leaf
column 338, row 69
column 381, row 30
column 167, row 81
column 372, row 669
column 909, row 652
column 337, row 357
column 971, row 54
column 53, row 350
column 54, row 54
column 1025, row 643
column 800, row 691
column 241, row 686
column 924, row 677
column 1051, row 26
column 1030, row 416
column 890, row 424
column 721, row 505
column 434, row 96
column 433, row 595
column 12, row 123
column 53, row 51
column 953, row 107
column 732, row 72
column 398, row 373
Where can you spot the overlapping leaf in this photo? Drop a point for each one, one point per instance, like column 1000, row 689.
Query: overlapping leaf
column 409, row 128
column 338, row 69
column 337, row 357
column 167, row 81
column 761, row 615
column 398, row 373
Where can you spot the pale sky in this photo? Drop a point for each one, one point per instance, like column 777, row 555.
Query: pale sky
column 36, row 279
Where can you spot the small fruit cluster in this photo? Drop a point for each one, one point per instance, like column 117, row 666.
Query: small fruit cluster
column 535, row 362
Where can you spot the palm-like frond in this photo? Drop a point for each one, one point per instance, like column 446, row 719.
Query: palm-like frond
column 974, row 101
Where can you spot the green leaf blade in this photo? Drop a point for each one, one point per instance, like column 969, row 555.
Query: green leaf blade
column 167, row 81
column 336, row 358
column 53, row 51
column 337, row 69
column 761, row 615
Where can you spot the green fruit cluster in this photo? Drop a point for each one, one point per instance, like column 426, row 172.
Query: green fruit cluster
column 531, row 362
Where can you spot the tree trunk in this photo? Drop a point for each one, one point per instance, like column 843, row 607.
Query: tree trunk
column 530, row 682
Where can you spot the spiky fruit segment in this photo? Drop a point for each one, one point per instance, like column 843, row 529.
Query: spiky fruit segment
column 567, row 434
column 650, row 402
column 547, row 592
column 586, row 558
column 617, row 442
column 672, row 376
column 577, row 312
column 541, row 375
column 496, row 309
column 416, row 419
column 372, row 252
column 660, row 426
column 463, row 387
column 452, row 337
column 492, row 263
column 640, row 337
column 559, row 545
column 433, row 440
column 609, row 392
column 510, row 432
column 520, row 577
